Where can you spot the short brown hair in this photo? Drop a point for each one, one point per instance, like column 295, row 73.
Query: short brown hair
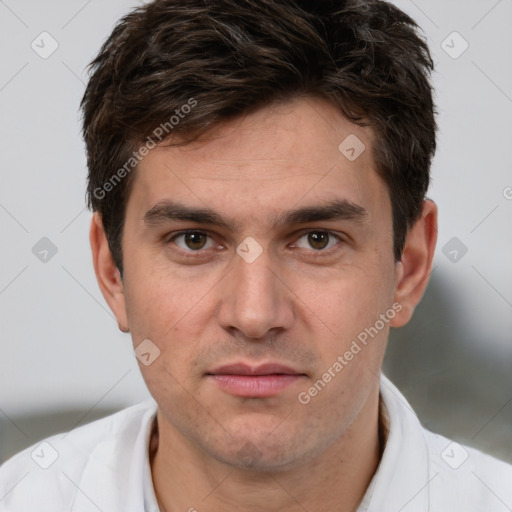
column 227, row 58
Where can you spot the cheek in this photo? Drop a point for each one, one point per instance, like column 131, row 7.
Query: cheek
column 173, row 374
column 172, row 312
column 160, row 296
column 346, row 303
column 344, row 316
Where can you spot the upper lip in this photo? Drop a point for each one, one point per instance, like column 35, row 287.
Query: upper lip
column 262, row 369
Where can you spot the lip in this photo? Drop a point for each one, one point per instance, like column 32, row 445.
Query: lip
column 260, row 381
column 260, row 370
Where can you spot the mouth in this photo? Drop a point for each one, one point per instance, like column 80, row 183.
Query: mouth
column 260, row 381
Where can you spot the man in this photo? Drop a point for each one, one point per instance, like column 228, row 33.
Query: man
column 257, row 172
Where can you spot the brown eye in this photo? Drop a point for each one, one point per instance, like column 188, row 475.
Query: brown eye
column 318, row 240
column 195, row 240
column 191, row 240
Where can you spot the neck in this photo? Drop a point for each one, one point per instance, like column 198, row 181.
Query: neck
column 186, row 479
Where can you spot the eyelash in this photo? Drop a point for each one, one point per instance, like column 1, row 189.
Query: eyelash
column 196, row 254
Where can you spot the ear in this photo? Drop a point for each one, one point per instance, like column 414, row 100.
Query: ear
column 413, row 270
column 107, row 274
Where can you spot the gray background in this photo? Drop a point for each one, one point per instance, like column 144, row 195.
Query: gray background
column 63, row 360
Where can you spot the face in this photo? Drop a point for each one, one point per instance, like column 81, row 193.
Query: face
column 255, row 262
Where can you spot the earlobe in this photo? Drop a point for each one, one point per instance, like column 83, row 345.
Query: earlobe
column 413, row 271
column 107, row 274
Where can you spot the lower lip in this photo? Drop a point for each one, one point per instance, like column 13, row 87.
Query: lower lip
column 255, row 386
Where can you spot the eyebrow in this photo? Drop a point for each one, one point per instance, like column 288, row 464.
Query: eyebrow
column 337, row 209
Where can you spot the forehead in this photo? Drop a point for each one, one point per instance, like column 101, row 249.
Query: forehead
column 301, row 152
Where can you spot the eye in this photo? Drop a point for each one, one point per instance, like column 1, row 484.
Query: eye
column 318, row 240
column 192, row 240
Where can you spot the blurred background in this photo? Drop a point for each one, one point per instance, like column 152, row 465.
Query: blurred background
column 63, row 360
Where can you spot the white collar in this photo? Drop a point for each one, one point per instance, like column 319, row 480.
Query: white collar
column 401, row 480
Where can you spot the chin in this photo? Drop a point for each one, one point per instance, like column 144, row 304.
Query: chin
column 260, row 453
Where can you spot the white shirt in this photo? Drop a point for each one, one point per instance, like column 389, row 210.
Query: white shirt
column 105, row 466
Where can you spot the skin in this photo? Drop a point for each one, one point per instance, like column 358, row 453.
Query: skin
column 297, row 303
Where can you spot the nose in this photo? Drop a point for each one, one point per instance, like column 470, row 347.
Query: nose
column 255, row 300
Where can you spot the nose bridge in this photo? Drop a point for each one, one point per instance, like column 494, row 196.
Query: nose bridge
column 255, row 280
column 254, row 300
